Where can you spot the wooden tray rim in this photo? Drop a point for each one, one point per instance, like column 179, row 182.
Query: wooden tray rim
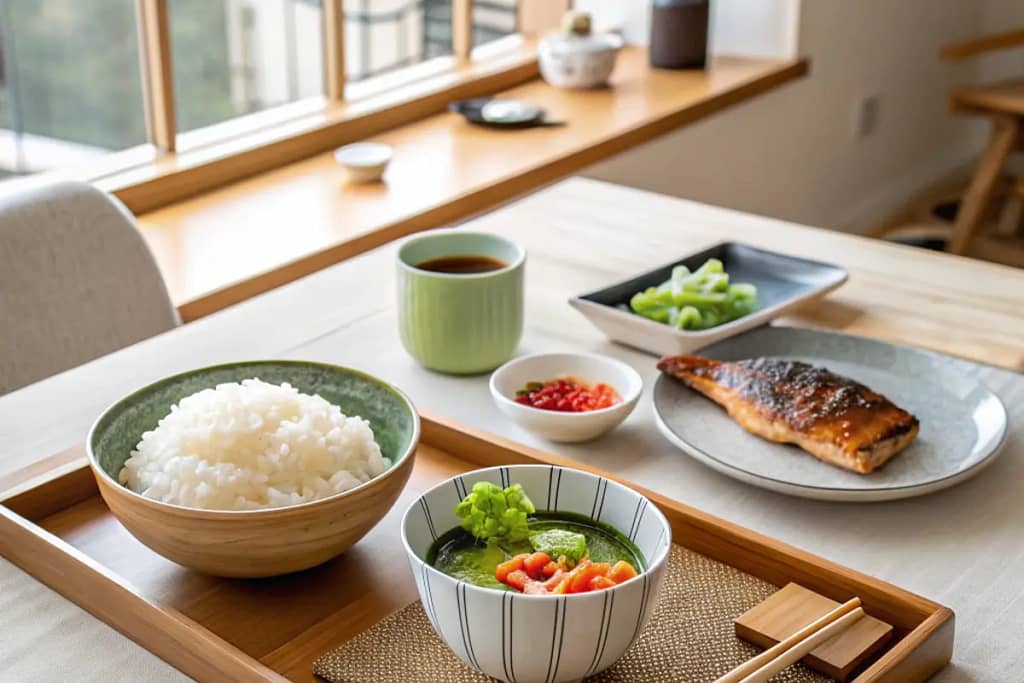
column 926, row 646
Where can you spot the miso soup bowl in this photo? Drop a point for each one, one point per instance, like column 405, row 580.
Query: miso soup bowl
column 511, row 636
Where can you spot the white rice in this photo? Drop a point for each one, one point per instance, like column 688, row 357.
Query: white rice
column 252, row 445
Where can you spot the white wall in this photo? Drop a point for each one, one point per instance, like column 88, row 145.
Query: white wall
column 738, row 27
column 766, row 28
column 631, row 18
column 793, row 154
column 1000, row 16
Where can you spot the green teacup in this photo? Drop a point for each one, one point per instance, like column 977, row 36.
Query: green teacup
column 460, row 323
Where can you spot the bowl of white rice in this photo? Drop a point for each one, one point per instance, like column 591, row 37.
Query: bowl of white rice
column 255, row 469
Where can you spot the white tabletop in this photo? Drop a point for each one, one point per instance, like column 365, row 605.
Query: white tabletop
column 963, row 548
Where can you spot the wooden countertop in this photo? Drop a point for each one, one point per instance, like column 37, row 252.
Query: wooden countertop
column 227, row 245
column 960, row 547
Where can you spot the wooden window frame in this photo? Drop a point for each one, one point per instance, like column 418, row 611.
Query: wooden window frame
column 157, row 73
column 181, row 169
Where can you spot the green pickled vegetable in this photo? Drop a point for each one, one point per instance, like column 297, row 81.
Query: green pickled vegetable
column 698, row 300
column 490, row 512
column 560, row 543
column 712, row 265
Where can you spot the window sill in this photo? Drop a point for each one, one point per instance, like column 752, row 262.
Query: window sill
column 231, row 244
column 228, row 152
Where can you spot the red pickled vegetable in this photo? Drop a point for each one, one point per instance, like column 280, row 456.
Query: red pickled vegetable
column 554, row 580
column 562, row 586
column 568, row 395
column 621, row 571
column 550, row 569
column 535, row 563
column 518, row 579
column 584, row 573
column 508, row 566
column 538, row 574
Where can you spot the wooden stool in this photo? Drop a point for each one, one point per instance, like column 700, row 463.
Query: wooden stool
column 1011, row 220
column 1003, row 104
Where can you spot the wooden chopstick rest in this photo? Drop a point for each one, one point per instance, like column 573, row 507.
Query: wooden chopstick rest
column 804, row 639
column 792, row 608
column 797, row 652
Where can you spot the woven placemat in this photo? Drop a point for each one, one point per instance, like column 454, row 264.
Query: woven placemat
column 690, row 637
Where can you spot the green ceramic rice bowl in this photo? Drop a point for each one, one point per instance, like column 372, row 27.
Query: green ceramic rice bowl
column 260, row 542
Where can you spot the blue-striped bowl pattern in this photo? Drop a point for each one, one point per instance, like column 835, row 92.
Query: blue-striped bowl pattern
column 520, row 638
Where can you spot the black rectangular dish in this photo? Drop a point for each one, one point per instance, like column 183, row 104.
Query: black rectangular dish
column 783, row 282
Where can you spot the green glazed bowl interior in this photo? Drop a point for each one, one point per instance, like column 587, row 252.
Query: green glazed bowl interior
column 390, row 413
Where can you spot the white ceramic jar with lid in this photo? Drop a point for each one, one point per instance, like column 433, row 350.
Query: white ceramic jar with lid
column 576, row 57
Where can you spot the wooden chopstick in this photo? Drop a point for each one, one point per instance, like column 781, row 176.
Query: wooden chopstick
column 795, row 647
column 801, row 649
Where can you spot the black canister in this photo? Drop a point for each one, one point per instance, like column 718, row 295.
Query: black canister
column 679, row 34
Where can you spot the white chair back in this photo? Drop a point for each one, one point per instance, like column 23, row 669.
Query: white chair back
column 77, row 281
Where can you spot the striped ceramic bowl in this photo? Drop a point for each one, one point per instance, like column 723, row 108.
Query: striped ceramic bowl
column 521, row 638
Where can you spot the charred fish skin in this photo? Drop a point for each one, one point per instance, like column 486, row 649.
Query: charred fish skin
column 805, row 395
column 832, row 417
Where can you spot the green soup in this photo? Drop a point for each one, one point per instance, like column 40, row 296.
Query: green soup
column 458, row 554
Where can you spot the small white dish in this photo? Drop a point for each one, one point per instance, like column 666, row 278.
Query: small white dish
column 559, row 426
column 511, row 112
column 364, row 162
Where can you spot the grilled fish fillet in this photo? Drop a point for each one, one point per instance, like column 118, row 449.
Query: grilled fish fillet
column 831, row 417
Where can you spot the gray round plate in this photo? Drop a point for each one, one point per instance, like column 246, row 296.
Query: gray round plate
column 963, row 424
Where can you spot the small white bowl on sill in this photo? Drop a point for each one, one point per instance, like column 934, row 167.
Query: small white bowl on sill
column 564, row 426
column 364, row 162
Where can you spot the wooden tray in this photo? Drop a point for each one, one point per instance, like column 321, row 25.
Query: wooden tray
column 56, row 528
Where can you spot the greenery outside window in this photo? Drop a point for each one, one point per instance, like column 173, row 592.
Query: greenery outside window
column 101, row 88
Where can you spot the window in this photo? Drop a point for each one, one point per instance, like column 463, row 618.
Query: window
column 382, row 36
column 493, row 20
column 144, row 78
column 70, row 87
column 236, row 57
column 385, row 35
